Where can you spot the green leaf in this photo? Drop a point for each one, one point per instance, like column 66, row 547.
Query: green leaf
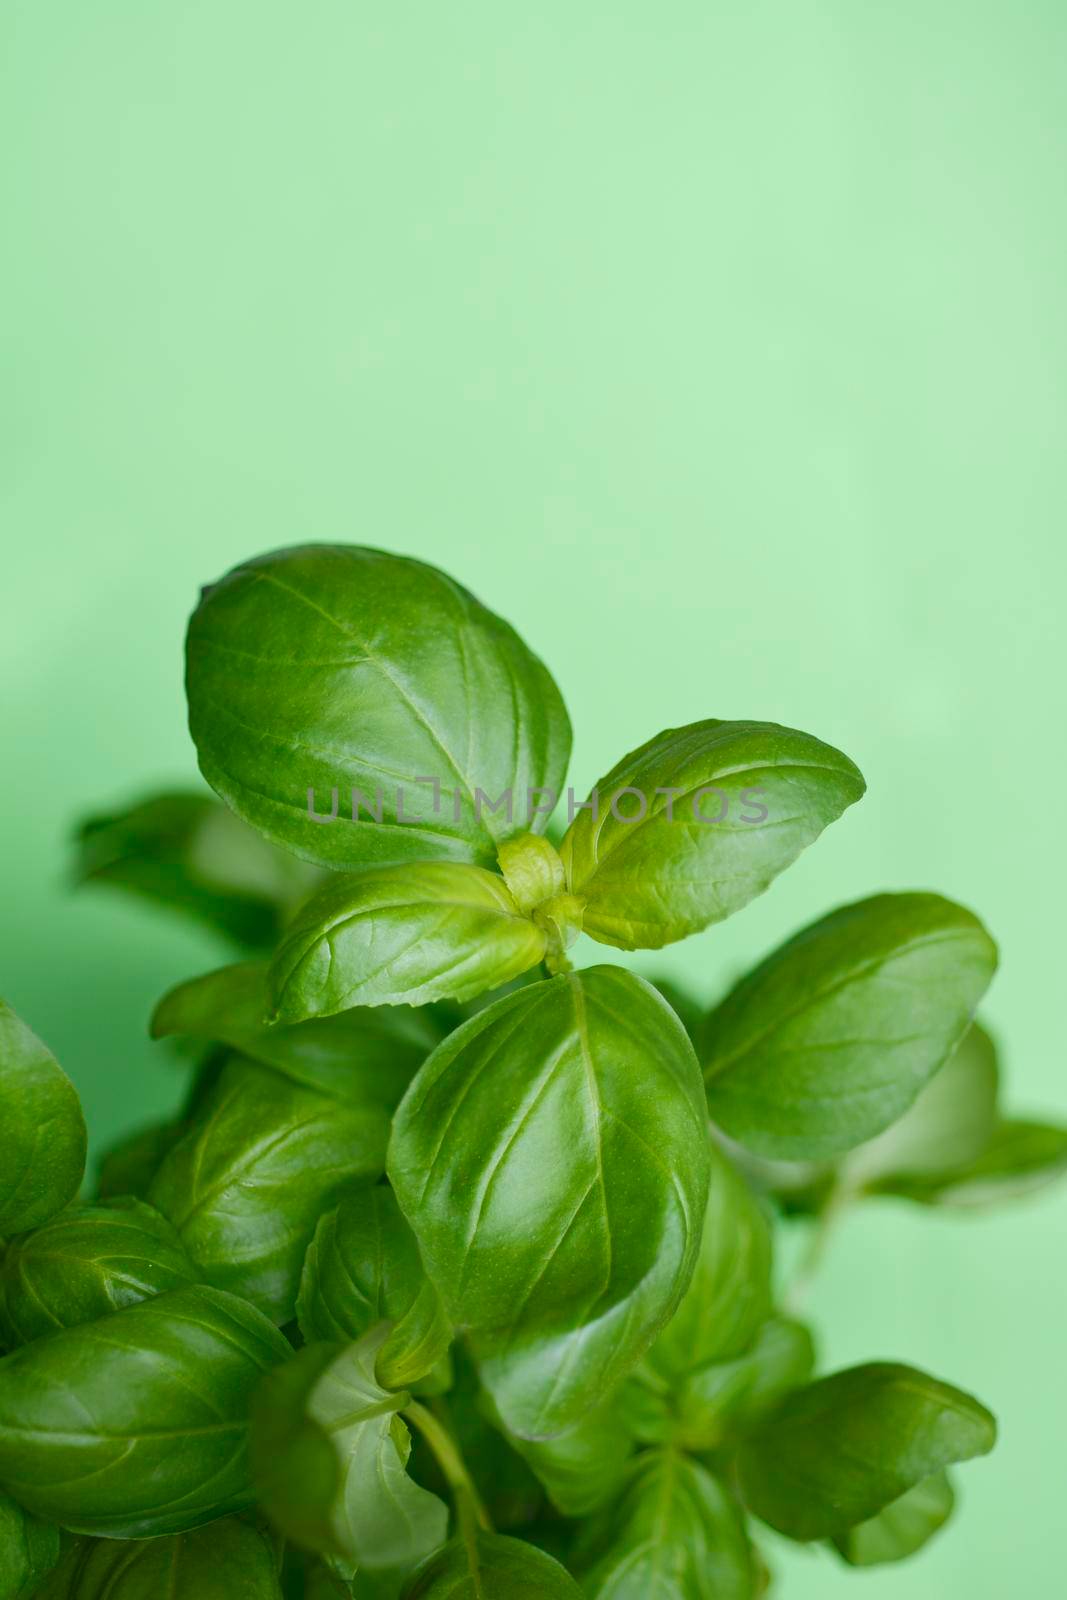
column 1020, row 1158
column 902, row 1528
column 831, row 1038
column 552, row 1158
column 402, row 936
column 676, row 1534
column 362, row 1268
column 727, row 1398
column 373, row 1051
column 186, row 851
column 329, row 1454
column 129, row 1165
column 655, row 865
column 248, row 1181
column 730, row 1293
column 86, row 1262
column 136, row 1425
column 723, row 1400
column 949, row 1125
column 844, row 1448
column 489, row 1567
column 44, row 1137
column 583, row 1468
column 227, row 1560
column 29, row 1549
column 335, row 667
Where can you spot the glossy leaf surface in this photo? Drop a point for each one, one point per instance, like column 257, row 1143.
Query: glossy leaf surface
column 902, row 1528
column 832, row 1037
column 368, row 1053
column 844, row 1448
column 552, row 1158
column 29, row 1549
column 86, row 1262
column 655, row 864
column 362, row 1268
column 227, row 1560
column 329, row 1455
column 491, row 1567
column 246, row 1184
column 136, row 1425
column 339, row 667
column 44, row 1137
column 676, row 1534
column 402, row 935
column 186, row 851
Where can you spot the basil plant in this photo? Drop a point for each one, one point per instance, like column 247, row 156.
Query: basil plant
column 452, row 1276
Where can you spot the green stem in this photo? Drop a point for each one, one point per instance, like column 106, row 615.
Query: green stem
column 469, row 1508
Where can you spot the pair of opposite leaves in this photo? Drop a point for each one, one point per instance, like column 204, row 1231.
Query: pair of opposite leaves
column 329, row 667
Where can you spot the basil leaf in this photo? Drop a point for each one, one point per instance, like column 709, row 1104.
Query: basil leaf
column 186, row 851
column 830, row 1039
column 227, row 1560
column 902, row 1528
column 490, row 1567
column 248, row 1181
column 676, row 1534
column 721, row 1400
column 129, row 1165
column 136, row 1425
column 369, row 1051
column 402, row 936
column 552, row 1158
column 583, row 1468
column 29, row 1549
column 329, row 1454
column 44, row 1130
column 730, row 1292
column 949, row 1125
column 1019, row 1158
column 727, row 1398
column 844, row 1448
column 335, row 667
column 362, row 1268
column 654, row 864
column 87, row 1262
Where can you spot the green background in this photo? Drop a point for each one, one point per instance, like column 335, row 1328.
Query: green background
column 721, row 348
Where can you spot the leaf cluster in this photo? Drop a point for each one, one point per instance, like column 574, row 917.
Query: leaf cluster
column 454, row 1275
